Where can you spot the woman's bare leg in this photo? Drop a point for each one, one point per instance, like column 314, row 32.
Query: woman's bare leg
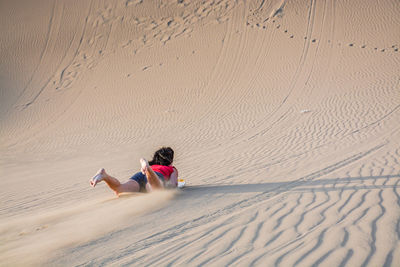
column 152, row 177
column 114, row 184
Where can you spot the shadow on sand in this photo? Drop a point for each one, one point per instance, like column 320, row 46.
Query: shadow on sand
column 330, row 184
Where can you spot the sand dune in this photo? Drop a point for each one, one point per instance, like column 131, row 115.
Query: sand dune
column 284, row 116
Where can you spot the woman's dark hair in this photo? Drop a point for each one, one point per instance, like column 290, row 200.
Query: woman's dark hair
column 163, row 156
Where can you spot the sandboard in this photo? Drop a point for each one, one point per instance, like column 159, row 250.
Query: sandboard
column 181, row 183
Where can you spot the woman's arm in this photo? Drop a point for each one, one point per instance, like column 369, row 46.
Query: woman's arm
column 173, row 178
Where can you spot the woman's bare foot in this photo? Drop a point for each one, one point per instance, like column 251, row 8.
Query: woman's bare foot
column 100, row 175
column 144, row 164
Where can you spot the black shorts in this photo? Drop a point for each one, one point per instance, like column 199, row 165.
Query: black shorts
column 141, row 179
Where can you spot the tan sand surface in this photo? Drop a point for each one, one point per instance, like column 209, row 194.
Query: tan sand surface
column 284, row 116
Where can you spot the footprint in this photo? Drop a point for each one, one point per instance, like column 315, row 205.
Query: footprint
column 131, row 2
column 351, row 44
column 127, row 44
column 314, row 40
column 396, row 49
column 41, row 227
column 291, row 36
column 285, row 31
column 363, row 46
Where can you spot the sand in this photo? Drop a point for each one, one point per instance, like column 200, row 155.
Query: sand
column 284, row 117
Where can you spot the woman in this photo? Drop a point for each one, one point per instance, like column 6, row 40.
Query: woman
column 156, row 174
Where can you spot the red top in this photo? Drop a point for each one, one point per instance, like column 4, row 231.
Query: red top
column 164, row 170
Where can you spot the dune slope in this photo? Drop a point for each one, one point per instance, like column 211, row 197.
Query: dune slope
column 284, row 116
